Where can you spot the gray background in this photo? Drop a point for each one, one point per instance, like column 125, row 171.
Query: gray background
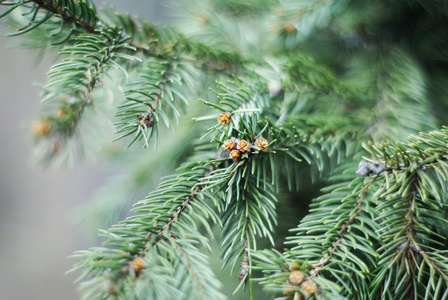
column 36, row 231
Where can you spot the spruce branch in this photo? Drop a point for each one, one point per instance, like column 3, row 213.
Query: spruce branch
column 334, row 246
column 285, row 94
column 72, row 82
column 79, row 12
column 158, row 94
column 330, row 250
column 411, row 209
column 131, row 243
column 176, row 214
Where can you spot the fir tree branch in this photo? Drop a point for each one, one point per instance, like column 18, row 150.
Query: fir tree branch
column 74, row 79
column 80, row 12
column 411, row 214
column 155, row 96
column 334, row 246
column 328, row 248
column 70, row 10
column 176, row 214
column 144, row 235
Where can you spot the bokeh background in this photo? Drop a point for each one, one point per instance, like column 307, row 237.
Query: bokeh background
column 37, row 231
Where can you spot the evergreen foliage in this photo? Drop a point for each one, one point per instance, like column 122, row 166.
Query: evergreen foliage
column 344, row 92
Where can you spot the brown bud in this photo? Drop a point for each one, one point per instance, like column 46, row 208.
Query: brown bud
column 309, row 287
column 261, row 143
column 229, row 144
column 144, row 119
column 289, row 28
column 137, row 264
column 61, row 111
column 42, row 127
column 224, row 118
column 243, row 146
column 242, row 274
column 235, row 154
column 296, row 277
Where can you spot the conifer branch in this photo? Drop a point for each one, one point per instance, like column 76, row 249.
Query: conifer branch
column 73, row 81
column 410, row 233
column 334, row 246
column 69, row 12
column 80, row 12
column 154, row 96
column 310, row 80
column 176, row 214
column 152, row 236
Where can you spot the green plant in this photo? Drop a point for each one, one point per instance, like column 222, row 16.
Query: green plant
column 283, row 94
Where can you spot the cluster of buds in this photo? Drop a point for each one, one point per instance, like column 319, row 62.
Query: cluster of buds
column 299, row 279
column 242, row 148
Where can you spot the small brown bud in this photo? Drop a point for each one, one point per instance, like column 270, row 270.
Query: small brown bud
column 144, row 119
column 42, row 127
column 137, row 264
column 289, row 28
column 242, row 274
column 234, row 154
column 309, row 287
column 224, row 118
column 299, row 296
column 261, row 143
column 229, row 144
column 243, row 146
column 61, row 112
column 296, row 277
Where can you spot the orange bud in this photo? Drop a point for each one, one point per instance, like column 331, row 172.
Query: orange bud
column 289, row 28
column 235, row 154
column 229, row 145
column 224, row 118
column 296, row 277
column 243, row 146
column 137, row 264
column 261, row 143
column 61, row 112
column 309, row 287
column 42, row 127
